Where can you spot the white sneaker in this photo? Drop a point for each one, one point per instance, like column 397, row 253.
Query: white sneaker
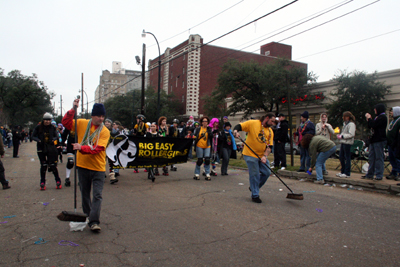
column 338, row 174
column 342, row 175
column 283, row 168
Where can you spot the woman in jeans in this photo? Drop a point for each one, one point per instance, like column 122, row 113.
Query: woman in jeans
column 346, row 140
column 202, row 143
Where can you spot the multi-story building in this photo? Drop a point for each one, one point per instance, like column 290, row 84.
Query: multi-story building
column 120, row 81
column 190, row 70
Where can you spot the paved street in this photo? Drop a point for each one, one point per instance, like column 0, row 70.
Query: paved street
column 178, row 221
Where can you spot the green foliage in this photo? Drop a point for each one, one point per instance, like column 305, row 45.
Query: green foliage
column 124, row 108
column 24, row 99
column 170, row 107
column 254, row 87
column 358, row 93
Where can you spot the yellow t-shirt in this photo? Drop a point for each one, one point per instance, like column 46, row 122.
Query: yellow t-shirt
column 258, row 137
column 94, row 162
column 141, row 130
column 202, row 142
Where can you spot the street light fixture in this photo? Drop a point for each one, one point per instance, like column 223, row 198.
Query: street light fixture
column 159, row 72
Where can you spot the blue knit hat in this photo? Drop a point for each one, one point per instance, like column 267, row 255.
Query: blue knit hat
column 98, row 110
column 305, row 114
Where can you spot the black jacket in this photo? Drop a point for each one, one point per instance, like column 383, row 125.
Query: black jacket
column 197, row 132
column 281, row 133
column 44, row 135
column 378, row 125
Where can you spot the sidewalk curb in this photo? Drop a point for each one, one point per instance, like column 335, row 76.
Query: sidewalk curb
column 366, row 185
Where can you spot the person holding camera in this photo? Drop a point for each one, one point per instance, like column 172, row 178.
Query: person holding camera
column 377, row 143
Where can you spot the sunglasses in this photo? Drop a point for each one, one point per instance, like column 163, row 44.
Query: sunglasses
column 47, row 119
column 205, row 121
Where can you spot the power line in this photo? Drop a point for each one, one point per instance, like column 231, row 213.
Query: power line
column 328, row 21
column 334, row 48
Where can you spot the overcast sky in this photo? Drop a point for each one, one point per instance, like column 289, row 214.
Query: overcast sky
column 59, row 40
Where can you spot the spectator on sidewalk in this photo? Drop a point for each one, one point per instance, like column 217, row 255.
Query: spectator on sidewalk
column 16, row 138
column 393, row 144
column 320, row 149
column 3, row 180
column 378, row 142
column 306, row 127
column 323, row 127
column 280, row 139
column 346, row 140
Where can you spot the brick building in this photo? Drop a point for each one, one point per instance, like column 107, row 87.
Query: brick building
column 190, row 70
column 119, row 81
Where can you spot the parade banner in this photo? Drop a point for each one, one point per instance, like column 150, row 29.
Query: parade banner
column 128, row 151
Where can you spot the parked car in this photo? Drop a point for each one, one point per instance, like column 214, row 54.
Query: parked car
column 296, row 149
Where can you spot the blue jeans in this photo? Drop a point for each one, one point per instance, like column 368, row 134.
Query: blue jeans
column 321, row 159
column 91, row 207
column 376, row 160
column 258, row 174
column 305, row 160
column 345, row 159
column 202, row 153
column 395, row 162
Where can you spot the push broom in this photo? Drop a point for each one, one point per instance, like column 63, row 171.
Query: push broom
column 73, row 216
column 290, row 195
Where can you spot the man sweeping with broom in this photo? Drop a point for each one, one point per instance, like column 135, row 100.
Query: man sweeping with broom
column 91, row 158
column 260, row 138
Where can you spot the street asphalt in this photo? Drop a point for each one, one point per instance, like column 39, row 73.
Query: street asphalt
column 177, row 221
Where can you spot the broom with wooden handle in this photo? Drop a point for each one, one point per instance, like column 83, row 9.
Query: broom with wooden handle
column 290, row 195
column 73, row 216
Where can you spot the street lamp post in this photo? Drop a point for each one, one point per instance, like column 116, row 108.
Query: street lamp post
column 159, row 72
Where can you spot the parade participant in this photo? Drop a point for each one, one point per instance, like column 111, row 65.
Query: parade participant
column 163, row 132
column 320, row 149
column 140, row 128
column 93, row 138
column 281, row 138
column 202, row 143
column 114, row 132
column 227, row 146
column 69, row 137
column 60, row 129
column 225, row 119
column 346, row 140
column 306, row 127
column 260, row 138
column 175, row 133
column 214, row 125
column 393, row 145
column 16, row 138
column 190, row 136
column 196, row 124
column 190, row 122
column 45, row 134
column 109, row 125
column 377, row 144
column 3, row 181
column 153, row 133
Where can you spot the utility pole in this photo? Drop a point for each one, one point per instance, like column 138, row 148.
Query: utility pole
column 61, row 105
column 82, row 96
column 290, row 121
column 143, row 76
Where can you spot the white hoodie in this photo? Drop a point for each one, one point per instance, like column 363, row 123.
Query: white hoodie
column 327, row 131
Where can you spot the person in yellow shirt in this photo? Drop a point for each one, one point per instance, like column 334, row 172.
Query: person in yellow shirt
column 260, row 137
column 93, row 138
column 202, row 143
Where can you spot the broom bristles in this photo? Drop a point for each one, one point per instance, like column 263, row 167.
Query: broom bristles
column 295, row 196
column 70, row 216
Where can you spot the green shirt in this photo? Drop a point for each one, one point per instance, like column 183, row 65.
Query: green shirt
column 318, row 144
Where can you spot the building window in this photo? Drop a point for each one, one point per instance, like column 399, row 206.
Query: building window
column 183, row 84
column 184, row 56
column 183, row 70
column 183, row 98
column 172, row 63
